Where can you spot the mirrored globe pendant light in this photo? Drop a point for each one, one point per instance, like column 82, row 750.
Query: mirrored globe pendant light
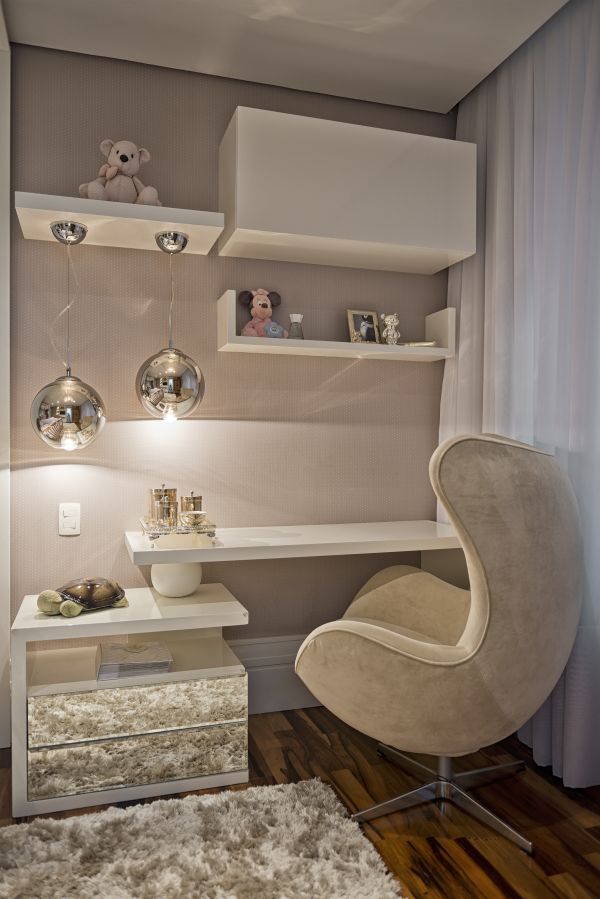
column 68, row 414
column 170, row 384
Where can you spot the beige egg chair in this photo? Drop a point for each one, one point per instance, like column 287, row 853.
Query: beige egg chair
column 425, row 667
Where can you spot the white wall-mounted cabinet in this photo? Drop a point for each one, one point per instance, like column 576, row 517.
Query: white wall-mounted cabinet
column 439, row 326
column 112, row 224
column 301, row 189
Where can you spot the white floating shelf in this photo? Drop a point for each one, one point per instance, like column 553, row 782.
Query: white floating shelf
column 117, row 224
column 301, row 541
column 439, row 326
column 304, row 189
column 212, row 605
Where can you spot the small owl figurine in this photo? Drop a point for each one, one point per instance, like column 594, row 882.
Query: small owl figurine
column 390, row 331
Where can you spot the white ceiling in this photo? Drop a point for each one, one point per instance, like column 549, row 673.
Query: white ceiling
column 426, row 54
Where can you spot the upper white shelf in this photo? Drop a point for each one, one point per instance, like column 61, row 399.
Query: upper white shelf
column 117, row 224
column 212, row 605
column 439, row 326
column 302, row 189
column 301, row 541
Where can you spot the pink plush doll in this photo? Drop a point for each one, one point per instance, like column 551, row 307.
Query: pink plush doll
column 117, row 179
column 260, row 304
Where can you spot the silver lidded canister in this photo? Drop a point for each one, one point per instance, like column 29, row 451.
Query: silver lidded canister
column 163, row 504
column 191, row 503
column 192, row 515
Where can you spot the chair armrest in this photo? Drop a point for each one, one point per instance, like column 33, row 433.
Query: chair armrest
column 419, row 650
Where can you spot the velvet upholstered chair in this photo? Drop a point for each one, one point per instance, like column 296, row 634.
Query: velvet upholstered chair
column 426, row 667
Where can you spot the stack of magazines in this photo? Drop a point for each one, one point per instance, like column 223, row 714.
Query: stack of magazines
column 114, row 660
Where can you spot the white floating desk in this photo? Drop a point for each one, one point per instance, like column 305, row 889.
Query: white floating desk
column 302, row 541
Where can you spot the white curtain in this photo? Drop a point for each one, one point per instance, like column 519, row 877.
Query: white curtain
column 528, row 360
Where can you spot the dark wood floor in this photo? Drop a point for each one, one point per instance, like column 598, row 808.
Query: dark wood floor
column 434, row 854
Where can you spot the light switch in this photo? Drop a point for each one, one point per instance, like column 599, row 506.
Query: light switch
column 69, row 519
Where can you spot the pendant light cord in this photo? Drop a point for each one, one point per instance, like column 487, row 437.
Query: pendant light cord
column 68, row 365
column 171, row 303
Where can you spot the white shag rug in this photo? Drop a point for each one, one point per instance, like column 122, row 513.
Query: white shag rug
column 279, row 842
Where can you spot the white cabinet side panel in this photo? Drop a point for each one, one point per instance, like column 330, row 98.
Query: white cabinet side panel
column 5, row 376
column 227, row 180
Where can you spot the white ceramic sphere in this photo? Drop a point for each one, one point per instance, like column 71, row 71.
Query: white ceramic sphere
column 177, row 579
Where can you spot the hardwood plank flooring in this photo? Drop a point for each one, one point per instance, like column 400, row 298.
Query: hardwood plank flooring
column 434, row 852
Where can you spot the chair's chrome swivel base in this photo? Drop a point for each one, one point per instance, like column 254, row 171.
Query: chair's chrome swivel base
column 445, row 785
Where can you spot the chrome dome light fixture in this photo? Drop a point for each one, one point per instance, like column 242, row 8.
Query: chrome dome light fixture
column 169, row 384
column 68, row 414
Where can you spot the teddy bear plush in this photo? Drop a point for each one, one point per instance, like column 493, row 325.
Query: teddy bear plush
column 260, row 304
column 117, row 179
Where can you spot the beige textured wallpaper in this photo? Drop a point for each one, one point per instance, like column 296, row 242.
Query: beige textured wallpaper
column 276, row 440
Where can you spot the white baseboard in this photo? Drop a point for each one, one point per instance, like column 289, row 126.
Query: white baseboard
column 273, row 685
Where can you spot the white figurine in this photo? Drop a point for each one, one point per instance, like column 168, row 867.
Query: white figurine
column 390, row 331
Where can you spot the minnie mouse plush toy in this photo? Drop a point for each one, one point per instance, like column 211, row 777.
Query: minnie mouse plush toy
column 260, row 304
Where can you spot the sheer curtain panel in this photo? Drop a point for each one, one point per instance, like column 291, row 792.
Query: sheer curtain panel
column 528, row 359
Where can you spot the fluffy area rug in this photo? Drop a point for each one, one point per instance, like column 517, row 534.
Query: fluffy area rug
column 279, row 842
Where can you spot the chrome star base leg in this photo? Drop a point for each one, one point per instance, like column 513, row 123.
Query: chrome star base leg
column 479, row 811
column 445, row 785
column 471, row 780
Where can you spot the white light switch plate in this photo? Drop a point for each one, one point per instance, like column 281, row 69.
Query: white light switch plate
column 69, row 519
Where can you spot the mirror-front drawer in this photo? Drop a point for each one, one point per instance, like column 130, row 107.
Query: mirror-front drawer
column 133, row 761
column 64, row 718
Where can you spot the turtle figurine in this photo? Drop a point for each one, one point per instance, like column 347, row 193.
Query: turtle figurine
column 86, row 595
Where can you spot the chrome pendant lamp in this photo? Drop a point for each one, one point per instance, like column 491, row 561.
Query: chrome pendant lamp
column 68, row 414
column 170, row 384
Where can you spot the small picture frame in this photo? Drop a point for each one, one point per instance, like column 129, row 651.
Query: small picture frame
column 363, row 326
